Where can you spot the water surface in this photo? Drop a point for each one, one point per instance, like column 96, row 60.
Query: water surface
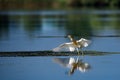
column 27, row 31
column 45, row 68
column 21, row 31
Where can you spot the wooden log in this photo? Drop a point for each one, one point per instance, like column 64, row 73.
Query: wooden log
column 51, row 53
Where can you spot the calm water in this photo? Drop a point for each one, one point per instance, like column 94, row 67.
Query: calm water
column 45, row 68
column 24, row 31
column 21, row 31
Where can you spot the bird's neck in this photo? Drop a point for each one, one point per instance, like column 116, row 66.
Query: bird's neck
column 72, row 39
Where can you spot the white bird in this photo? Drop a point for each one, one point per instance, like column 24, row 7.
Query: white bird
column 73, row 64
column 73, row 45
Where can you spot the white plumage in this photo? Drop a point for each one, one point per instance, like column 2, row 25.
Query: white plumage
column 71, row 46
column 73, row 64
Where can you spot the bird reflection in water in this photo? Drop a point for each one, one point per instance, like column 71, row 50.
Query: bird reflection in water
column 73, row 64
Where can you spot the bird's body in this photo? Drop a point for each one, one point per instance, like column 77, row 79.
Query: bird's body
column 73, row 45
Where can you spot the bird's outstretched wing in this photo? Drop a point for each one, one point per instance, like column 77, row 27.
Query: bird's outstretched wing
column 83, row 66
column 62, row 61
column 83, row 42
column 65, row 47
column 65, row 62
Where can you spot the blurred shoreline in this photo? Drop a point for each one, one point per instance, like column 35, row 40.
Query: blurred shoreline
column 56, row 4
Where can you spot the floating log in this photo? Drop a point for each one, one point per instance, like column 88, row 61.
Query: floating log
column 50, row 53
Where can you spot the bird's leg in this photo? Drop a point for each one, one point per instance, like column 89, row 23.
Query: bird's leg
column 78, row 51
column 77, row 59
column 81, row 51
column 82, row 54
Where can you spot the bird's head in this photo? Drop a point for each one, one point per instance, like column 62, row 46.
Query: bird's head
column 70, row 36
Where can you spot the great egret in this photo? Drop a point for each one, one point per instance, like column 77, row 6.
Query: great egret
column 73, row 45
column 73, row 64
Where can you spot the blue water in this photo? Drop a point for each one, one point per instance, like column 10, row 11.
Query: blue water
column 44, row 68
column 26, row 31
column 20, row 31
